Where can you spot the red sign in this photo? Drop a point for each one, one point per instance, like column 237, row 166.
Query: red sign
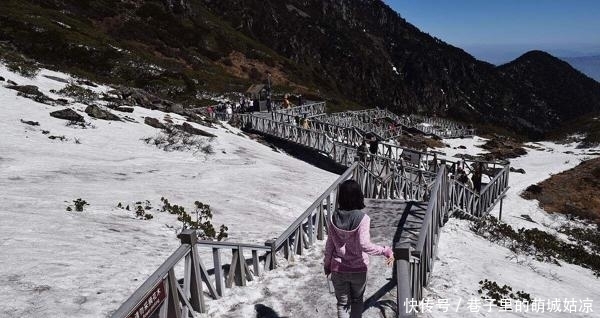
column 150, row 303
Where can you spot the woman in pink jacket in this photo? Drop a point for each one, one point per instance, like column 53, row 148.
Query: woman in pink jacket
column 348, row 248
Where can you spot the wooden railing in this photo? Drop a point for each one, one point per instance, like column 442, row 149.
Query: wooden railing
column 480, row 204
column 307, row 109
column 385, row 175
column 414, row 262
column 163, row 294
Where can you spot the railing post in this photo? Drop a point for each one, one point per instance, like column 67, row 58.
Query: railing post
column 500, row 215
column 273, row 257
column 404, row 293
column 218, row 271
column 188, row 236
column 173, row 310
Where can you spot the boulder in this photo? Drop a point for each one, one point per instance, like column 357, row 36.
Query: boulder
column 1, row 79
column 32, row 92
column 26, row 89
column 67, row 114
column 97, row 112
column 520, row 170
column 30, row 122
column 175, row 108
column 120, row 108
column 194, row 131
column 153, row 122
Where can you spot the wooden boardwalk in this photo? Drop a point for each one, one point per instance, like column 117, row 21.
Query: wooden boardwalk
column 409, row 195
column 395, row 221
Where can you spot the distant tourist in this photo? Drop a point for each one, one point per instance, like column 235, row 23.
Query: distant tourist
column 348, row 248
column 374, row 145
column 476, row 178
column 300, row 100
column 304, row 122
column 286, row 102
column 363, row 152
column 210, row 111
column 228, row 111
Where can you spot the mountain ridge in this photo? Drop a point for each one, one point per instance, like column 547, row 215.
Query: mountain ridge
column 348, row 52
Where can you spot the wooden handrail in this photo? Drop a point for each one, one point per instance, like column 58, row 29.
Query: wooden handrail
column 290, row 230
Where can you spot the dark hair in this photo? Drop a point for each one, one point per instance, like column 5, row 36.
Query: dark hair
column 350, row 196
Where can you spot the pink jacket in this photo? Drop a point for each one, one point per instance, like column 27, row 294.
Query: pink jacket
column 348, row 251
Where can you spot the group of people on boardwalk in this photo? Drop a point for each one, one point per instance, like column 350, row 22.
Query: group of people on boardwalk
column 474, row 182
column 368, row 148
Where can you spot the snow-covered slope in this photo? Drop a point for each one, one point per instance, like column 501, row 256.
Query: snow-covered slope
column 55, row 263
column 463, row 260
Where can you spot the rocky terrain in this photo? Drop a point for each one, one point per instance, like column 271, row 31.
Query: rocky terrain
column 349, row 52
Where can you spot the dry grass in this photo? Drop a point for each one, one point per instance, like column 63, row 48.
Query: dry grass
column 575, row 191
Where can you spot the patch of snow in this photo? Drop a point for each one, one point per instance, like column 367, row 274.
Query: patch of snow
column 55, row 263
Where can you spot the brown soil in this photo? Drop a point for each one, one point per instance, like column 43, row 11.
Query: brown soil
column 419, row 142
column 237, row 64
column 575, row 191
column 500, row 147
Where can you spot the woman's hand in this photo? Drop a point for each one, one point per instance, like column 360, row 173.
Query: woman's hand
column 389, row 261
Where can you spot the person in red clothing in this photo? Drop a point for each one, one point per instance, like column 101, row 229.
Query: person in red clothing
column 348, row 248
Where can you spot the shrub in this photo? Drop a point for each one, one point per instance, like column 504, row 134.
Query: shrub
column 18, row 63
column 140, row 209
column 494, row 291
column 539, row 244
column 203, row 222
column 79, row 94
column 173, row 139
column 78, row 205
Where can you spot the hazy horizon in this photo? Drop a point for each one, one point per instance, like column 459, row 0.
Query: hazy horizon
column 500, row 31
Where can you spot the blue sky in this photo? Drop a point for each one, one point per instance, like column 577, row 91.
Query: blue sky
column 501, row 30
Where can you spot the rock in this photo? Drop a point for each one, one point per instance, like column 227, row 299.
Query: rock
column 462, row 147
column 26, row 89
column 61, row 138
column 55, row 78
column 11, row 83
column 120, row 108
column 86, row 83
column 527, row 218
column 153, row 122
column 29, row 122
column 520, row 170
column 175, row 108
column 1, row 79
column 97, row 112
column 61, row 101
column 67, row 114
column 194, row 131
column 32, row 92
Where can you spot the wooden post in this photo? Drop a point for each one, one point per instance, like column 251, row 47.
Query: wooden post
column 272, row 254
column 188, row 236
column 218, row 272
column 173, row 310
column 255, row 263
column 500, row 215
column 404, row 292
